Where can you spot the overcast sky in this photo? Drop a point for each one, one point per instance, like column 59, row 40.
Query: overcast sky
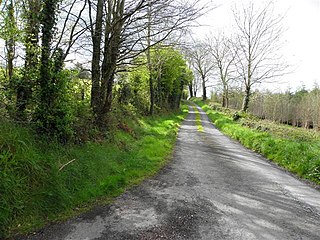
column 302, row 37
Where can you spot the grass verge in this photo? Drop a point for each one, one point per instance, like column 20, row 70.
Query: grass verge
column 299, row 153
column 43, row 181
column 198, row 119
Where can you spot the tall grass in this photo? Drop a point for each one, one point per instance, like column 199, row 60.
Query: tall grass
column 42, row 181
column 295, row 150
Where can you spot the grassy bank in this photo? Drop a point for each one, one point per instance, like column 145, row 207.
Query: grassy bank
column 42, row 181
column 297, row 150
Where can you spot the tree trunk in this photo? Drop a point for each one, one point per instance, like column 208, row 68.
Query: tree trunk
column 225, row 97
column 152, row 95
column 110, row 58
column 10, row 58
column 24, row 90
column 158, row 94
column 223, row 103
column 107, row 80
column 151, row 80
column 191, row 90
column 204, row 90
column 45, row 112
column 95, row 64
column 10, row 42
column 246, row 99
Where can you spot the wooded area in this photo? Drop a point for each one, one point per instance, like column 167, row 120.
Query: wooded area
column 299, row 108
column 130, row 51
column 83, row 86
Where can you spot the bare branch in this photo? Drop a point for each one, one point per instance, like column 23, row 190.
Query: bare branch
column 257, row 41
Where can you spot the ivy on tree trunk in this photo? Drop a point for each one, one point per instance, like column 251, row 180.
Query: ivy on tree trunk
column 51, row 114
column 30, row 73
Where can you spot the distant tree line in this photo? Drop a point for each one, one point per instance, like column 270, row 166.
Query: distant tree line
column 299, row 108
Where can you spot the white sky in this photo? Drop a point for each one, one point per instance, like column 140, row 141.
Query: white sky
column 302, row 38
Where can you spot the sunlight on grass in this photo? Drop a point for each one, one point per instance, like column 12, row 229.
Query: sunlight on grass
column 198, row 119
column 34, row 188
column 295, row 149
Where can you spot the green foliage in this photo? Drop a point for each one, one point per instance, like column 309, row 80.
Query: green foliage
column 297, row 151
column 171, row 74
column 42, row 180
column 80, row 112
column 137, row 88
column 53, row 113
column 4, row 101
column 8, row 26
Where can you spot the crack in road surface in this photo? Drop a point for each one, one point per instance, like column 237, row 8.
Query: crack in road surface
column 212, row 189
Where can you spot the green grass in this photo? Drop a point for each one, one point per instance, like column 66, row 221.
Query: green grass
column 297, row 150
column 198, row 119
column 42, row 181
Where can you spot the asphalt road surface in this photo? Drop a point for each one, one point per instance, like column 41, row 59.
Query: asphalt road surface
column 213, row 189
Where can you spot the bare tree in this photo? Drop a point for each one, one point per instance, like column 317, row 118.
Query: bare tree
column 193, row 84
column 202, row 64
column 196, row 83
column 221, row 48
column 258, row 44
column 107, row 42
column 72, row 25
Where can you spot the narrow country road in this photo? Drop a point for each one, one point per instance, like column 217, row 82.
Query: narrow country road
column 213, row 189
